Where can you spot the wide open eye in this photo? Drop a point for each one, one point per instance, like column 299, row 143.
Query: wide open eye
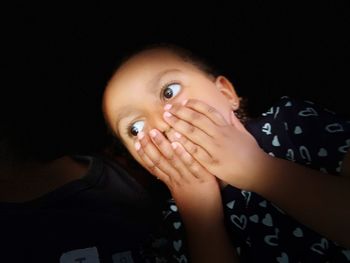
column 136, row 127
column 171, row 90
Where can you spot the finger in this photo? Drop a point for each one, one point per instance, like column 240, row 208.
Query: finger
column 195, row 150
column 196, row 169
column 206, row 110
column 162, row 143
column 191, row 132
column 157, row 159
column 166, row 149
column 193, row 117
column 149, row 165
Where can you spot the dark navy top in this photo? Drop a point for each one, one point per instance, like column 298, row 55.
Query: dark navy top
column 299, row 131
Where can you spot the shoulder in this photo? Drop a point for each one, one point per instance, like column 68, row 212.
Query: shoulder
column 306, row 112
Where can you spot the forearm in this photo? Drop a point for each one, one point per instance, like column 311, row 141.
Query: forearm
column 209, row 243
column 315, row 199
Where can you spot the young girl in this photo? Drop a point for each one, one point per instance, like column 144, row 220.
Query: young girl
column 282, row 202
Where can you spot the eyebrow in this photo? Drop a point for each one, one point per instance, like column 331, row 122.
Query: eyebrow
column 127, row 110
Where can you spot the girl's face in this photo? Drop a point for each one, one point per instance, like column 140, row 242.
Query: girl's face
column 135, row 96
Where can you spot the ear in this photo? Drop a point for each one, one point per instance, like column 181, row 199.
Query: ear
column 227, row 89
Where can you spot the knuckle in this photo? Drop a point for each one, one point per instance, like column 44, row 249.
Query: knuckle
column 171, row 157
column 194, row 116
column 157, row 162
column 190, row 129
column 194, row 149
column 191, row 102
column 210, row 109
column 195, row 168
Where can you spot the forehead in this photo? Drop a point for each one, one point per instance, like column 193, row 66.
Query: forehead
column 142, row 68
column 150, row 61
column 137, row 73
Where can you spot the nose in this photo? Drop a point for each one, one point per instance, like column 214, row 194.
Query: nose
column 159, row 123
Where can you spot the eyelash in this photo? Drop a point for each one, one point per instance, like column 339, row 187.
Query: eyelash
column 166, row 85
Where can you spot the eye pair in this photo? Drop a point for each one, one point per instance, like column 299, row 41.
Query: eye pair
column 168, row 92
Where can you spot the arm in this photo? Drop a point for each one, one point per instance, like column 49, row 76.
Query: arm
column 317, row 200
column 196, row 193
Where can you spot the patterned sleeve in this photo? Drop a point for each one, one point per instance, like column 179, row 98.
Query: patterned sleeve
column 306, row 133
column 168, row 243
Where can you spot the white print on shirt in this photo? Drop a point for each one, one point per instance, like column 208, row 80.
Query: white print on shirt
column 344, row 148
column 321, row 247
column 177, row 244
column 308, row 112
column 266, row 128
column 123, row 257
column 276, row 113
column 275, row 141
column 283, row 258
column 304, row 152
column 267, row 221
column 272, row 240
column 85, row 255
column 334, row 127
column 298, row 232
column 290, row 155
column 298, row 130
column 270, row 111
column 240, row 222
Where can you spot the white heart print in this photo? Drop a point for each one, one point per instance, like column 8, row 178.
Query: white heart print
column 254, row 218
column 298, row 130
column 239, row 221
column 177, row 245
column 267, row 220
column 272, row 240
column 344, row 148
column 290, row 155
column 266, row 128
column 334, row 127
column 275, row 141
column 308, row 112
column 231, row 204
column 321, row 247
column 283, row 258
column 298, row 232
column 322, row 152
column 304, row 152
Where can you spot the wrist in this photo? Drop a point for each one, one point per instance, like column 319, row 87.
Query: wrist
column 262, row 174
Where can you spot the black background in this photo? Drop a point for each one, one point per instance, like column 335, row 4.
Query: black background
column 58, row 58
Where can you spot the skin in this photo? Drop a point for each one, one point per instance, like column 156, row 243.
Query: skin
column 198, row 122
column 195, row 190
column 315, row 194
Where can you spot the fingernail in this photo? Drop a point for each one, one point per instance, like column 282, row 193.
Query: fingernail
column 167, row 114
column 137, row 146
column 140, row 135
column 177, row 135
column 184, row 102
column 174, row 145
column 153, row 133
column 167, row 106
